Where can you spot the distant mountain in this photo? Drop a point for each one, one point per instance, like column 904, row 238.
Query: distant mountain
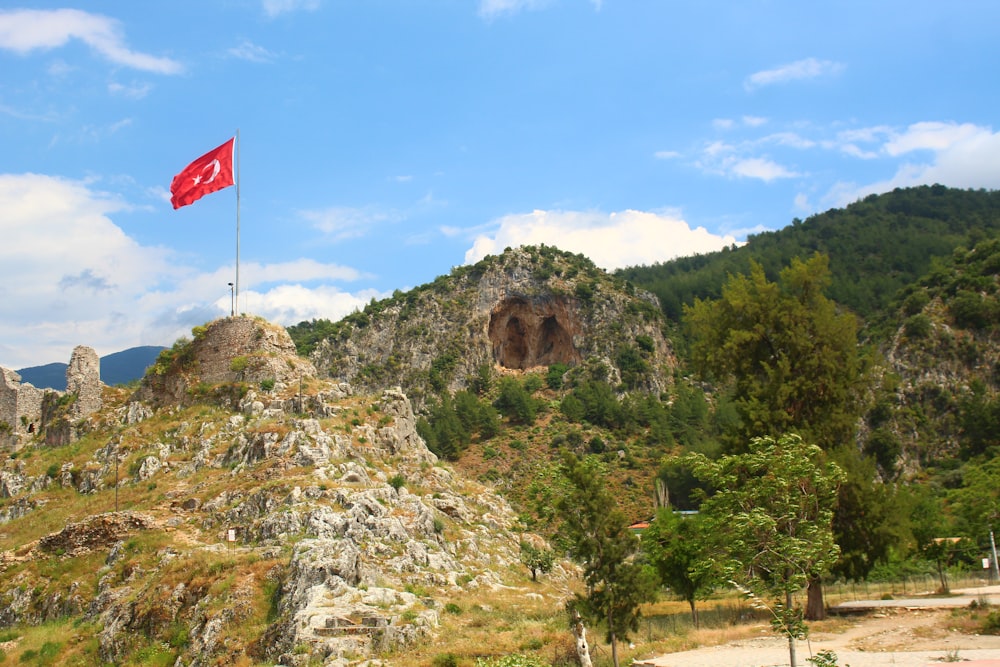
column 117, row 368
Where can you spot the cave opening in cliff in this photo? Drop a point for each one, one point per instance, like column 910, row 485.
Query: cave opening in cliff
column 526, row 334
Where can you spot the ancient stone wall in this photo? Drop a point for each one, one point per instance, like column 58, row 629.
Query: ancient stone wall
column 83, row 378
column 20, row 409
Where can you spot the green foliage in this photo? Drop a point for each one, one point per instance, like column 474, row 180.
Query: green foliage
column 917, row 326
column 239, row 364
column 445, row 660
column 876, row 246
column 772, row 514
column 792, row 359
column 397, row 481
column 826, row 658
column 599, row 539
column 679, row 548
column 870, row 521
column 516, row 660
column 554, row 376
column 442, row 369
column 537, row 559
column 991, row 624
column 515, row 402
column 267, row 384
column 633, row 367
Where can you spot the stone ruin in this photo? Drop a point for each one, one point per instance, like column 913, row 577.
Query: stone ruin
column 22, row 404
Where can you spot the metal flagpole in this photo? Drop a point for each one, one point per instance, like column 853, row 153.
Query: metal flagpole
column 237, row 289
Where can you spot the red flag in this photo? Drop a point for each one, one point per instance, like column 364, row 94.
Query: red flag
column 209, row 173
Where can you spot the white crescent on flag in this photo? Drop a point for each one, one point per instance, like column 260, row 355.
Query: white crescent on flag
column 211, row 172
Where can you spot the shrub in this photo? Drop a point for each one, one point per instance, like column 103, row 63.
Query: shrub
column 991, row 624
column 397, row 481
column 445, row 660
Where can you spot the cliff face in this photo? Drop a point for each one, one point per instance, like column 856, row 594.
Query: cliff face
column 528, row 308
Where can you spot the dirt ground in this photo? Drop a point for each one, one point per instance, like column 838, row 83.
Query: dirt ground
column 901, row 637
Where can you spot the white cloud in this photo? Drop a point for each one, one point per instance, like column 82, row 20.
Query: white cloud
column 70, row 276
column 26, row 30
column 666, row 155
column 277, row 7
column 931, row 136
column 251, row 52
column 960, row 156
column 800, row 70
column 612, row 241
column 292, row 303
column 134, row 91
column 790, row 139
column 492, row 8
column 754, row 121
column 759, row 168
column 342, row 222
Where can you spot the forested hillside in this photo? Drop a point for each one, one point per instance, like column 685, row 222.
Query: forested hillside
column 869, row 332
column 876, row 247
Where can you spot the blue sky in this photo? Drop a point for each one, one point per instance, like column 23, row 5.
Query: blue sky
column 384, row 142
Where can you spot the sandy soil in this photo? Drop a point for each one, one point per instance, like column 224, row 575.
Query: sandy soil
column 899, row 637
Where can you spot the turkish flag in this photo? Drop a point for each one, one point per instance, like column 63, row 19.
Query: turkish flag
column 209, row 173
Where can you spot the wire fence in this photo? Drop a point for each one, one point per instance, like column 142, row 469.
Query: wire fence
column 732, row 609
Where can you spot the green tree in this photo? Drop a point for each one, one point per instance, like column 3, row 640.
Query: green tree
column 791, row 359
column 537, row 559
column 600, row 540
column 772, row 513
column 976, row 503
column 515, row 402
column 678, row 547
column 870, row 518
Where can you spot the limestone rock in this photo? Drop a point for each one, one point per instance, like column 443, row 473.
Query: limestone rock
column 527, row 309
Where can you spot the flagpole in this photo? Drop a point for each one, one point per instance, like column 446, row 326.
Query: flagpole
column 237, row 291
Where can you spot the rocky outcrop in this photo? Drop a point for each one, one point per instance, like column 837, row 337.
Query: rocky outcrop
column 340, row 521
column 527, row 309
column 230, row 350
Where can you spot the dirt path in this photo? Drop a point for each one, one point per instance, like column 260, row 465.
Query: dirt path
column 898, row 637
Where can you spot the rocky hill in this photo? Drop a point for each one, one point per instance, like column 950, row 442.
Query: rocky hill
column 529, row 308
column 238, row 510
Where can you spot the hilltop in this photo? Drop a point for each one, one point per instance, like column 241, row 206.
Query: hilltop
column 238, row 509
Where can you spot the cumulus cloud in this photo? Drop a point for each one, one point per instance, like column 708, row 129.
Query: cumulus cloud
column 289, row 304
column 952, row 154
column 612, row 241
column 26, row 30
column 69, row 275
column 800, row 70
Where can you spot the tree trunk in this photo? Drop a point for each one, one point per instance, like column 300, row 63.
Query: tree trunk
column 614, row 640
column 791, row 636
column 694, row 613
column 580, row 634
column 815, row 607
column 942, row 575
